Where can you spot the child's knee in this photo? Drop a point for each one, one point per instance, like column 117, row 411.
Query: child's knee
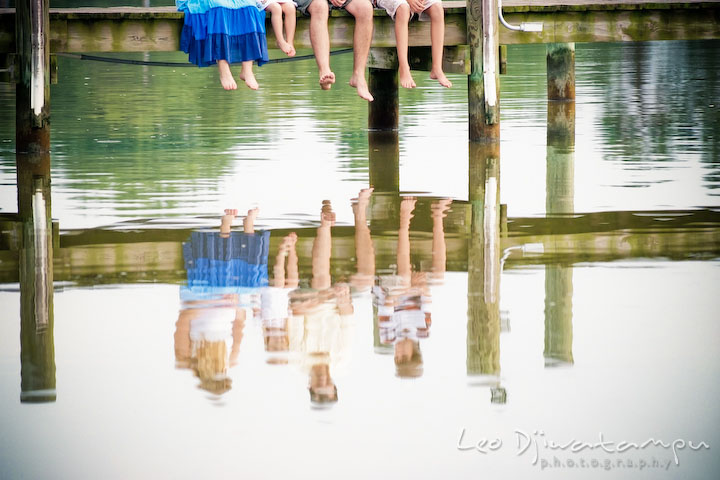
column 319, row 7
column 436, row 11
column 402, row 12
column 362, row 9
column 274, row 8
column 288, row 8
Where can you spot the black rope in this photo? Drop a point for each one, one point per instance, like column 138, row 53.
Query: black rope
column 126, row 61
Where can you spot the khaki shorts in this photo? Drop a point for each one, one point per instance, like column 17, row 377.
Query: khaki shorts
column 391, row 6
column 303, row 5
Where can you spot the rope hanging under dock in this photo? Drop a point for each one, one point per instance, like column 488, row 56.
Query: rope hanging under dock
column 147, row 63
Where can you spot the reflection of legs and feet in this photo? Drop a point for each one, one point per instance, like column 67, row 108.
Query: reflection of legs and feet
column 439, row 211
column 249, row 220
column 407, row 205
column 322, row 248
column 364, row 249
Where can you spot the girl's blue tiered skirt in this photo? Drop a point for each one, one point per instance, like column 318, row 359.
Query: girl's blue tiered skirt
column 232, row 30
column 218, row 265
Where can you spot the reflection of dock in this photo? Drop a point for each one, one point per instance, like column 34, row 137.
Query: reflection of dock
column 97, row 256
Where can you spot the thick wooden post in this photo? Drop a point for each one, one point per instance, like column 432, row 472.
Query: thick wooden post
column 483, row 328
column 560, row 161
column 484, row 80
column 561, row 71
column 559, row 200
column 37, row 348
column 32, row 142
column 558, row 315
column 384, row 160
column 503, row 59
column 383, row 112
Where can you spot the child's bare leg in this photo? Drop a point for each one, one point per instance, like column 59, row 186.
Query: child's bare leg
column 279, row 267
column 276, row 19
column 437, row 39
column 402, row 17
column 249, row 221
column 439, row 249
column 226, row 78
column 407, row 205
column 288, row 9
column 322, row 247
column 247, row 75
column 226, row 222
column 293, row 278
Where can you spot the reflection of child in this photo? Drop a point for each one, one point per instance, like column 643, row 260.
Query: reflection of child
column 320, row 328
column 403, row 301
column 224, row 272
column 401, row 11
column 275, row 300
column 207, row 339
column 277, row 9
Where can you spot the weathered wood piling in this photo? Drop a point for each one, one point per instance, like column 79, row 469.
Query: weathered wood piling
column 34, row 208
column 483, row 81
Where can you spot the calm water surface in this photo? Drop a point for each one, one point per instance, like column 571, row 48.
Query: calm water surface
column 590, row 314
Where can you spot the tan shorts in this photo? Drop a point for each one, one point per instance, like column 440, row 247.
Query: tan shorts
column 391, row 6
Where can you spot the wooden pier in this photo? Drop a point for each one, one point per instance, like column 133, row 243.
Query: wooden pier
column 468, row 49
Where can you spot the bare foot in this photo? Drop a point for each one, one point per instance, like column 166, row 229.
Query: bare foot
column 360, row 204
column 439, row 75
column 249, row 221
column 440, row 207
column 226, row 222
column 326, row 80
column 406, row 208
column 226, row 77
column 406, row 79
column 327, row 216
column 358, row 82
column 284, row 247
column 247, row 75
column 286, row 48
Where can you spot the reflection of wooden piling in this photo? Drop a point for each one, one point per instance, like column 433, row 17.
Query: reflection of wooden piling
column 560, row 199
column 558, row 315
column 383, row 112
column 503, row 59
column 34, row 209
column 36, row 293
column 484, row 80
column 561, row 71
column 384, row 160
column 560, row 161
column 483, row 329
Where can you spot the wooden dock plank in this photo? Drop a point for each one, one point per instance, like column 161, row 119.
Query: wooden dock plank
column 132, row 29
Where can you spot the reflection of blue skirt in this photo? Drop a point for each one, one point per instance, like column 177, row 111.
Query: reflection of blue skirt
column 226, row 264
column 232, row 30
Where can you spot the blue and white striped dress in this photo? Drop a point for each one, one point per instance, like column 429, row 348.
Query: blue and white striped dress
column 232, row 30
